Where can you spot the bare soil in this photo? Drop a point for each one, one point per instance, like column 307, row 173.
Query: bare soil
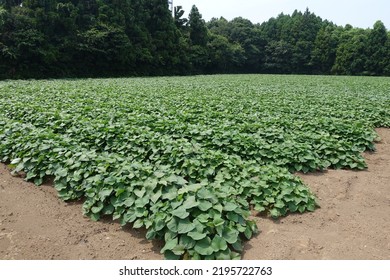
column 352, row 223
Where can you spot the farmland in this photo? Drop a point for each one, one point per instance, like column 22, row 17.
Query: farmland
column 191, row 158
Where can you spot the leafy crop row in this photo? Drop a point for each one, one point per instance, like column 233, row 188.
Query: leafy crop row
column 189, row 158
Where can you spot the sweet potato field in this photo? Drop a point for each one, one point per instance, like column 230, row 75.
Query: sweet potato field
column 190, row 159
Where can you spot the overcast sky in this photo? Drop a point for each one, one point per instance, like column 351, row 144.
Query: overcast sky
column 358, row 13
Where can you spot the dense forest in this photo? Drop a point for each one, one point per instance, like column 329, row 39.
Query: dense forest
column 95, row 38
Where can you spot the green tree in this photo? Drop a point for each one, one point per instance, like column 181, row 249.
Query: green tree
column 224, row 56
column 278, row 57
column 197, row 28
column 243, row 32
column 323, row 55
column 23, row 47
column 8, row 4
column 350, row 56
column 3, row 14
column 164, row 35
column 219, row 26
column 300, row 32
column 180, row 22
column 198, row 38
column 386, row 70
column 103, row 50
column 376, row 49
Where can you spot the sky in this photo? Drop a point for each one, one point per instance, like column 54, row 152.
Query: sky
column 358, row 13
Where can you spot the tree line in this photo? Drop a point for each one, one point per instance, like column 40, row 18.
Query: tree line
column 96, row 38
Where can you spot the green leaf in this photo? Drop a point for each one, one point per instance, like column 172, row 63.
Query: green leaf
column 170, row 195
column 19, row 167
column 151, row 234
column 138, row 223
column 248, row 233
column 204, row 205
column 180, row 212
column 190, row 188
column 140, row 212
column 129, row 201
column 235, row 256
column 94, row 217
column 203, row 247
column 311, row 206
column 237, row 246
column 218, row 221
column 196, row 235
column 185, row 226
column 104, row 193
column 111, row 180
column 141, row 202
column 218, row 244
column 218, row 207
column 30, row 175
column 292, row 207
column 98, row 208
column 129, row 217
column 159, row 224
column 119, row 192
column 190, row 202
column 151, row 183
column 181, row 181
column 204, row 194
column 147, row 222
column 140, row 193
column 61, row 172
column 169, row 255
column 219, row 230
column 233, row 217
column 279, row 204
column 16, row 161
column 203, row 218
column 229, row 206
column 155, row 197
column 198, row 225
column 223, row 255
column 275, row 213
column 170, row 244
column 38, row 181
column 187, row 242
column 178, row 250
column 108, row 210
column 210, row 257
column 176, row 204
column 172, row 225
column 230, row 235
column 159, row 174
column 169, row 235
column 195, row 256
